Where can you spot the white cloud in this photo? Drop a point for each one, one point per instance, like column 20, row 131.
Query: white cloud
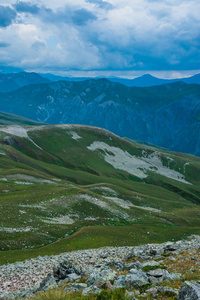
column 140, row 34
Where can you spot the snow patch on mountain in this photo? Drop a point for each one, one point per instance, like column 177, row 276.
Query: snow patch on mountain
column 137, row 166
column 75, row 136
column 15, row 130
column 18, row 131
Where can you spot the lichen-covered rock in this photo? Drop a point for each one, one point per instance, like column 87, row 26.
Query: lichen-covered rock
column 91, row 290
column 22, row 279
column 150, row 263
column 73, row 277
column 64, row 270
column 152, row 291
column 171, row 276
column 119, row 266
column 102, row 275
column 48, row 283
column 135, row 265
column 190, row 290
column 167, row 291
column 120, row 282
column 169, row 246
column 136, row 279
column 76, row 287
column 162, row 275
column 157, row 273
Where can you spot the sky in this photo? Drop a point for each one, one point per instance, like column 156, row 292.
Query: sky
column 95, row 37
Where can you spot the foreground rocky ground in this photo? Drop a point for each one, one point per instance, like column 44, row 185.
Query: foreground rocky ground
column 154, row 271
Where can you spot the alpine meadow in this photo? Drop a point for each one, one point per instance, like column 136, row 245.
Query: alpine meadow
column 99, row 150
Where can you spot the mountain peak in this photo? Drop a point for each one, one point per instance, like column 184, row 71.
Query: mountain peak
column 147, row 76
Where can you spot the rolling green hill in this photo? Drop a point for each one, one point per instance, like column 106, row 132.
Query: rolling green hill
column 68, row 187
column 9, row 119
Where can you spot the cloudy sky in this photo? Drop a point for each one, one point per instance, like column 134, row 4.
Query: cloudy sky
column 119, row 37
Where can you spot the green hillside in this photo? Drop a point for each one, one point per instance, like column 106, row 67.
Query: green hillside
column 9, row 119
column 69, row 187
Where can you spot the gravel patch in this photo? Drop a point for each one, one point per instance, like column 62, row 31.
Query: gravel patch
column 58, row 220
column 31, row 272
column 18, row 131
column 75, row 136
column 139, row 167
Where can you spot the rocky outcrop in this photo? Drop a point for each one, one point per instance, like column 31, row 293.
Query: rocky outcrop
column 139, row 270
column 190, row 290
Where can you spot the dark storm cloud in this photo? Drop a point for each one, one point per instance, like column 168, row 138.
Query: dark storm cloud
column 7, row 16
column 82, row 16
column 27, row 7
column 67, row 15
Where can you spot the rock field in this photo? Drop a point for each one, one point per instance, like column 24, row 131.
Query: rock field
column 141, row 270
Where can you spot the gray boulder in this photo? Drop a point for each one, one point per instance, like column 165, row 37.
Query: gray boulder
column 190, row 290
column 136, row 279
column 167, row 291
column 91, row 290
column 102, row 275
column 169, row 246
column 64, row 270
column 48, row 282
column 135, row 265
column 163, row 275
column 76, row 287
column 157, row 273
column 171, row 276
column 73, row 277
column 150, row 263
column 120, row 282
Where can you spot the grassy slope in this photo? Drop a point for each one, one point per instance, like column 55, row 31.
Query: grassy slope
column 79, row 184
column 10, row 119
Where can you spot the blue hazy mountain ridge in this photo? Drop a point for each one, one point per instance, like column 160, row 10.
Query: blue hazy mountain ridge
column 142, row 81
column 149, row 80
column 10, row 69
column 165, row 115
column 55, row 78
column 13, row 81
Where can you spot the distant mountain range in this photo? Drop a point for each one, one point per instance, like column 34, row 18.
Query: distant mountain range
column 165, row 115
column 13, row 81
column 149, row 80
column 142, row 81
column 55, row 78
column 10, row 69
